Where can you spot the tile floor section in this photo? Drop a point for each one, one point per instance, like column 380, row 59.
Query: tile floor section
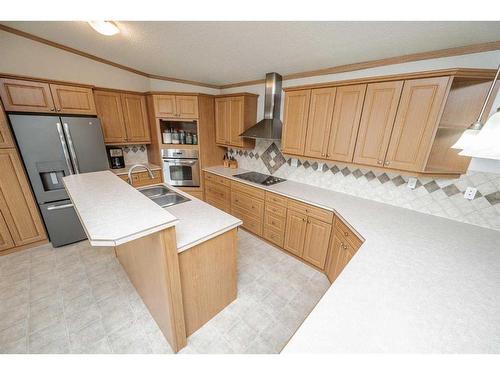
column 78, row 299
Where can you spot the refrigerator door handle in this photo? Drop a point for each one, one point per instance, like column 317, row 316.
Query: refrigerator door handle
column 60, row 207
column 71, row 147
column 64, row 148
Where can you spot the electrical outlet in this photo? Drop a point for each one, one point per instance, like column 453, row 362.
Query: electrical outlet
column 470, row 193
column 412, row 182
column 294, row 162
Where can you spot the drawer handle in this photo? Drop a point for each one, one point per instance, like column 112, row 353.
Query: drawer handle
column 303, row 219
column 346, row 234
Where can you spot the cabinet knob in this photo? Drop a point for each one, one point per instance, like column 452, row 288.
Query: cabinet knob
column 346, row 234
column 322, row 154
column 327, row 155
column 386, row 163
column 308, row 221
column 303, row 219
column 58, row 109
column 379, row 161
column 52, row 109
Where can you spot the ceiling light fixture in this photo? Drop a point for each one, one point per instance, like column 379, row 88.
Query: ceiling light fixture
column 468, row 137
column 104, row 27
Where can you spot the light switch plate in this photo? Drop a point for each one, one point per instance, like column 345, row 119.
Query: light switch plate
column 294, row 162
column 412, row 182
column 470, row 193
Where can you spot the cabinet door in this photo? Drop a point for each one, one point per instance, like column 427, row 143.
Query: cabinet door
column 186, row 106
column 296, row 112
column 110, row 112
column 5, row 135
column 345, row 122
column 26, row 96
column 336, row 260
column 377, row 120
column 73, row 99
column 236, row 121
column 295, row 233
column 16, row 201
column 420, row 107
column 6, row 241
column 165, row 105
column 221, row 121
column 136, row 118
column 319, row 122
column 316, row 243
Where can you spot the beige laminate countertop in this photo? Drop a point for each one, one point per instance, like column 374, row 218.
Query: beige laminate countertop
column 419, row 283
column 122, row 171
column 112, row 212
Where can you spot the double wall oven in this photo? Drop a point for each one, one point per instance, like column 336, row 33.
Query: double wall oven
column 181, row 167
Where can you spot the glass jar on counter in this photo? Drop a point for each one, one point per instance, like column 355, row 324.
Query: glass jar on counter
column 175, row 137
column 195, row 139
column 189, row 139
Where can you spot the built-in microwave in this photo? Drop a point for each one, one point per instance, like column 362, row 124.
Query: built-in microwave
column 181, row 167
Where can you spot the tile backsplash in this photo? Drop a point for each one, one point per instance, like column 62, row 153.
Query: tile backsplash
column 440, row 197
column 135, row 154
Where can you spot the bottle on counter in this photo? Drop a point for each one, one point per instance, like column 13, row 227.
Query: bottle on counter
column 189, row 139
column 175, row 137
column 167, row 136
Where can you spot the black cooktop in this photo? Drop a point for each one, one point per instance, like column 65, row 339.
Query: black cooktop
column 259, row 178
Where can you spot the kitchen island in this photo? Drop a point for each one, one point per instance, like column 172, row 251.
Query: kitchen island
column 419, row 283
column 181, row 259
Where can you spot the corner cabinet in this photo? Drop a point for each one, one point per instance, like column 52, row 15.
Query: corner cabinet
column 124, row 117
column 233, row 115
column 32, row 96
column 406, row 124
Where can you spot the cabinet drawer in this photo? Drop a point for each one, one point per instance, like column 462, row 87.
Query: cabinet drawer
column 219, row 203
column 248, row 203
column 216, row 191
column 318, row 213
column 145, row 175
column 254, row 192
column 274, row 222
column 217, row 179
column 276, row 199
column 276, row 210
column 346, row 234
column 251, row 223
column 276, row 238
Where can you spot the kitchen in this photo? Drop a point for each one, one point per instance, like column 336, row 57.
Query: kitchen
column 305, row 212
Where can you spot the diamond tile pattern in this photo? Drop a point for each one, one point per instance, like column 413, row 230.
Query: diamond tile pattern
column 273, row 158
column 439, row 197
column 83, row 302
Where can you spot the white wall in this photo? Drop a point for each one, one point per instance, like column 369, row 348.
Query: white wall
column 488, row 60
column 160, row 85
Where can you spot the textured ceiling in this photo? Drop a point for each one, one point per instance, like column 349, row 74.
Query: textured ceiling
column 228, row 52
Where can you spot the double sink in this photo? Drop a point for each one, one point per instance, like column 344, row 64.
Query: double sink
column 163, row 196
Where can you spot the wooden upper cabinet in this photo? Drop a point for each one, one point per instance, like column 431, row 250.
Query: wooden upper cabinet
column 236, row 121
column 316, row 242
column 420, row 108
column 6, row 241
column 186, row 106
column 319, row 121
column 221, row 121
column 176, row 106
column 164, row 105
column 17, row 204
column 295, row 233
column 110, row 112
column 345, row 122
column 377, row 120
column 5, row 135
column 136, row 118
column 233, row 115
column 73, row 99
column 295, row 121
column 26, row 96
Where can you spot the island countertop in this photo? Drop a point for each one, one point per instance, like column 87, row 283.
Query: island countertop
column 111, row 211
column 419, row 283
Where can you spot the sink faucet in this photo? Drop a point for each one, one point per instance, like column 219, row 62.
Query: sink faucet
column 138, row 166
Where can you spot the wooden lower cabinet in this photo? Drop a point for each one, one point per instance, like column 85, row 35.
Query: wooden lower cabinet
column 143, row 178
column 17, row 205
column 6, row 241
column 316, row 242
column 296, row 225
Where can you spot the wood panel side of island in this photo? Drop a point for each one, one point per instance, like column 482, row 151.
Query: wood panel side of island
column 209, row 279
column 152, row 264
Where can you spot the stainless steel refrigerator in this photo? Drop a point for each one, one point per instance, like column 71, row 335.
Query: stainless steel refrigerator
column 53, row 147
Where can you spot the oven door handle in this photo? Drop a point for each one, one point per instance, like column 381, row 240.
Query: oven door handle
column 181, row 162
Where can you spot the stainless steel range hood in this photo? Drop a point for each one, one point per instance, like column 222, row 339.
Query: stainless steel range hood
column 270, row 126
